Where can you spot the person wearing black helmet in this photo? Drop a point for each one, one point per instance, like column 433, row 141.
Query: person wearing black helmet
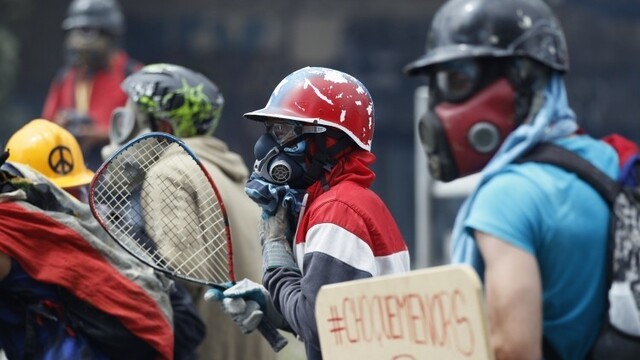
column 176, row 100
column 495, row 75
column 86, row 90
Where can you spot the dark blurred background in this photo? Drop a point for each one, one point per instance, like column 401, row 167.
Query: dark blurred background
column 247, row 47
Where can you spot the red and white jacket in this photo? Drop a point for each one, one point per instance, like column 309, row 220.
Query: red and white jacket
column 345, row 233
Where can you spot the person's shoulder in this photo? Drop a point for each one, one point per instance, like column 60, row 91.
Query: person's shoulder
column 598, row 152
column 522, row 177
column 523, row 173
column 214, row 152
column 533, row 179
column 124, row 61
column 522, row 183
column 350, row 190
column 350, row 197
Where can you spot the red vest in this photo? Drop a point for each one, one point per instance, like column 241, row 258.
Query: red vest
column 106, row 93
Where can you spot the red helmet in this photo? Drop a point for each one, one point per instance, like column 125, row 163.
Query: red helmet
column 323, row 96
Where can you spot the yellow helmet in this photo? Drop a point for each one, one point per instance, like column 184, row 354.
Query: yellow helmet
column 51, row 150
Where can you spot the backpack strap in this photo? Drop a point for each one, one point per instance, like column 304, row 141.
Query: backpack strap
column 608, row 188
column 549, row 153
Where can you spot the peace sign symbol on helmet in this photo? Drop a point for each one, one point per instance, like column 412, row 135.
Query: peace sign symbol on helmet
column 61, row 160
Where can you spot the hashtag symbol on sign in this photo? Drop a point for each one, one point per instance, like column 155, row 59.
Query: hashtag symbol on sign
column 336, row 322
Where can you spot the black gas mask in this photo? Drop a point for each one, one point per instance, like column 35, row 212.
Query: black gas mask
column 297, row 154
column 281, row 153
column 280, row 164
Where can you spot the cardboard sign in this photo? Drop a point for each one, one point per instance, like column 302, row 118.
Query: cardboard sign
column 434, row 313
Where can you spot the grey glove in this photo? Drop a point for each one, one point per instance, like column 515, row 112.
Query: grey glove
column 276, row 237
column 281, row 206
column 247, row 303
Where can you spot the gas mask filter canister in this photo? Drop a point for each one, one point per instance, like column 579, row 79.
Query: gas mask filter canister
column 279, row 164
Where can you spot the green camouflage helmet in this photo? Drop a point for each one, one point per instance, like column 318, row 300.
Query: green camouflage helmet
column 190, row 102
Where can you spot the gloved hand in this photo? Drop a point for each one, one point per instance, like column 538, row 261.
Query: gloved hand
column 271, row 196
column 247, row 303
column 276, row 235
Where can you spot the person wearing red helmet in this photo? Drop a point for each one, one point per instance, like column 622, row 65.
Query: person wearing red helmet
column 321, row 222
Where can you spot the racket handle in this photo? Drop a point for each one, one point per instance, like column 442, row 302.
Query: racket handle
column 272, row 335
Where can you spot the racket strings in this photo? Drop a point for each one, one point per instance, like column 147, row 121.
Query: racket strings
column 159, row 204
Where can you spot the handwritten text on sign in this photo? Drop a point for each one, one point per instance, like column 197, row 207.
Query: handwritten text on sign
column 435, row 312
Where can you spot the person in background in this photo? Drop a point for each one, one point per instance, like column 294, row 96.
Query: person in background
column 179, row 101
column 67, row 290
column 87, row 89
column 495, row 74
column 321, row 223
column 55, row 153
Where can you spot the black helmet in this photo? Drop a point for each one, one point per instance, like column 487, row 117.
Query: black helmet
column 494, row 28
column 186, row 99
column 100, row 14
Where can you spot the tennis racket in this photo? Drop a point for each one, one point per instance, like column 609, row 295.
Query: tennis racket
column 133, row 196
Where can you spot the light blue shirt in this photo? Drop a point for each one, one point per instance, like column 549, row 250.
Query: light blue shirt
column 563, row 222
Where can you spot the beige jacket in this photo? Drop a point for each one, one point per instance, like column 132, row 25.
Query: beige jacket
column 224, row 340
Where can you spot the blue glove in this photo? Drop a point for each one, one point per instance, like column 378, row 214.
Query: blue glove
column 271, row 196
column 267, row 195
column 247, row 303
